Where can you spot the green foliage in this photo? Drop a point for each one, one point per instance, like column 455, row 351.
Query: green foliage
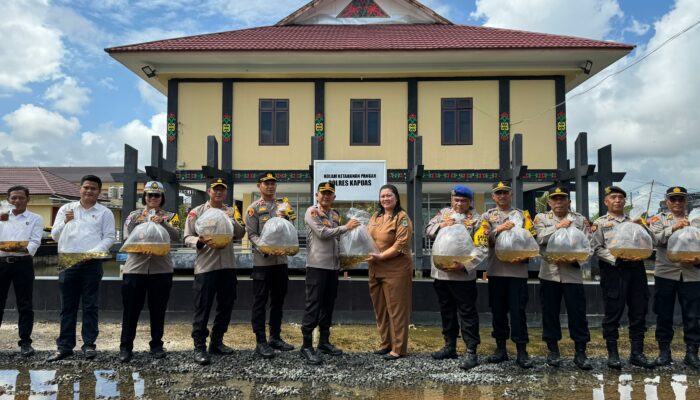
column 541, row 203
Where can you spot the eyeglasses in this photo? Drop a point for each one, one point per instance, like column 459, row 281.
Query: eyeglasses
column 676, row 199
column 156, row 195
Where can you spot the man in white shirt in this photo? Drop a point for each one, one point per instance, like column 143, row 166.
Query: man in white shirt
column 82, row 280
column 17, row 266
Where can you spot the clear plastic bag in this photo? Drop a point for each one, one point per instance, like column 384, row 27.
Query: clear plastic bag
column 684, row 246
column 357, row 244
column 148, row 238
column 14, row 235
column 568, row 245
column 279, row 238
column 215, row 226
column 694, row 218
column 517, row 244
column 78, row 241
column 453, row 249
column 629, row 240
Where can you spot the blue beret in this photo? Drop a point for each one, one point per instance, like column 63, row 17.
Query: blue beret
column 462, row 191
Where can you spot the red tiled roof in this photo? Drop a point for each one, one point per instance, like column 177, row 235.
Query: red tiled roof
column 39, row 182
column 369, row 38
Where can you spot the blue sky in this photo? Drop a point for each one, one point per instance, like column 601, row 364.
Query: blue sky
column 64, row 101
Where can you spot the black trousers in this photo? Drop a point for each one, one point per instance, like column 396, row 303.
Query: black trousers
column 219, row 285
column 551, row 294
column 457, row 301
column 134, row 290
column 624, row 285
column 508, row 296
column 20, row 273
column 269, row 283
column 321, row 291
column 79, row 283
column 688, row 293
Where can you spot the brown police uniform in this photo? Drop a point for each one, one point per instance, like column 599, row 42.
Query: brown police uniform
column 390, row 281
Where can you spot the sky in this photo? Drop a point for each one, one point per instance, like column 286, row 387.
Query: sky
column 64, row 101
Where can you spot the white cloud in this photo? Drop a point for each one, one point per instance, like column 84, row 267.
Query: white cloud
column 439, row 7
column 31, row 123
column 590, row 19
column 150, row 34
column 637, row 28
column 252, row 13
column 650, row 112
column 68, row 96
column 108, row 83
column 152, row 97
column 30, row 50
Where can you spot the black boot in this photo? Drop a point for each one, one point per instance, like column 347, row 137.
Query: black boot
column 580, row 359
column 277, row 343
column 470, row 360
column 637, row 356
column 325, row 346
column 664, row 357
column 307, row 350
column 522, row 358
column 553, row 357
column 613, row 355
column 691, row 356
column 449, row 350
column 500, row 354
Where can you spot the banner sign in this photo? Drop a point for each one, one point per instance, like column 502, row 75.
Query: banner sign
column 354, row 180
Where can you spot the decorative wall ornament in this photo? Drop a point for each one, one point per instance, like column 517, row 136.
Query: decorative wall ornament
column 412, row 127
column 504, row 127
column 319, row 126
column 226, row 127
column 363, row 9
column 561, row 126
column 172, row 127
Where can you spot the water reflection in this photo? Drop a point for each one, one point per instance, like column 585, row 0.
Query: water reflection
column 129, row 384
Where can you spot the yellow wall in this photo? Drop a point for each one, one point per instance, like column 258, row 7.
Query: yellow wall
column 483, row 153
column 199, row 115
column 41, row 205
column 393, row 125
column 247, row 154
column 528, row 99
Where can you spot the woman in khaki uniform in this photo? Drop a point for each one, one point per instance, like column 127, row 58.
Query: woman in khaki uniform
column 391, row 272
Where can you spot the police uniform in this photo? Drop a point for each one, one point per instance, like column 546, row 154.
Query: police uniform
column 323, row 230
column 456, row 290
column 623, row 283
column 674, row 280
column 559, row 281
column 146, row 274
column 17, row 269
column 270, row 273
column 214, row 277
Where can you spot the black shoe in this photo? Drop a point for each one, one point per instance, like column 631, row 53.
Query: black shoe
column 499, row 355
column 220, row 348
column 553, row 357
column 125, row 356
column 328, row 348
column 90, row 353
column 264, row 350
column 59, row 355
column 390, row 357
column 26, row 350
column 201, row 357
column 664, row 357
column 581, row 361
column 613, row 355
column 279, row 344
column 310, row 356
column 522, row 358
column 469, row 361
column 158, row 353
column 637, row 357
column 446, row 352
column 691, row 356
column 381, row 352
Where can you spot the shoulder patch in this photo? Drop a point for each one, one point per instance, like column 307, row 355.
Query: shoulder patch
column 314, row 213
column 192, row 214
column 251, row 211
column 404, row 222
column 594, row 228
column 654, row 219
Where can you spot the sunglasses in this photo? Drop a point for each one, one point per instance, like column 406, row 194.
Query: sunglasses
column 156, row 195
column 676, row 199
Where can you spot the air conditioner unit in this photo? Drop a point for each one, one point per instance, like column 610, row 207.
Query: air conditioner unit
column 121, row 192
column 113, row 192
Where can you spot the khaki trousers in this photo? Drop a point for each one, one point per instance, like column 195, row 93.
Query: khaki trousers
column 391, row 298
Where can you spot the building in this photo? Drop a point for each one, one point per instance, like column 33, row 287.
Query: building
column 360, row 80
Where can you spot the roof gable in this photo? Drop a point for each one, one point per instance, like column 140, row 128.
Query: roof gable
column 39, row 182
column 361, row 12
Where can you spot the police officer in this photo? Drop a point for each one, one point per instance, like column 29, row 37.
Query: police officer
column 17, row 266
column 562, row 280
column 456, row 290
column 322, row 265
column 675, row 280
column 623, row 282
column 214, row 277
column 507, row 282
column 270, row 273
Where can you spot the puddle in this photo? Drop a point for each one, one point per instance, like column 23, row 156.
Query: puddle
column 128, row 384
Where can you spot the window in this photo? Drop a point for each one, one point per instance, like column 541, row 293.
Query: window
column 274, row 122
column 364, row 122
column 457, row 122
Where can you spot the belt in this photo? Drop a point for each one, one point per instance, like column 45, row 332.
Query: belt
column 12, row 259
